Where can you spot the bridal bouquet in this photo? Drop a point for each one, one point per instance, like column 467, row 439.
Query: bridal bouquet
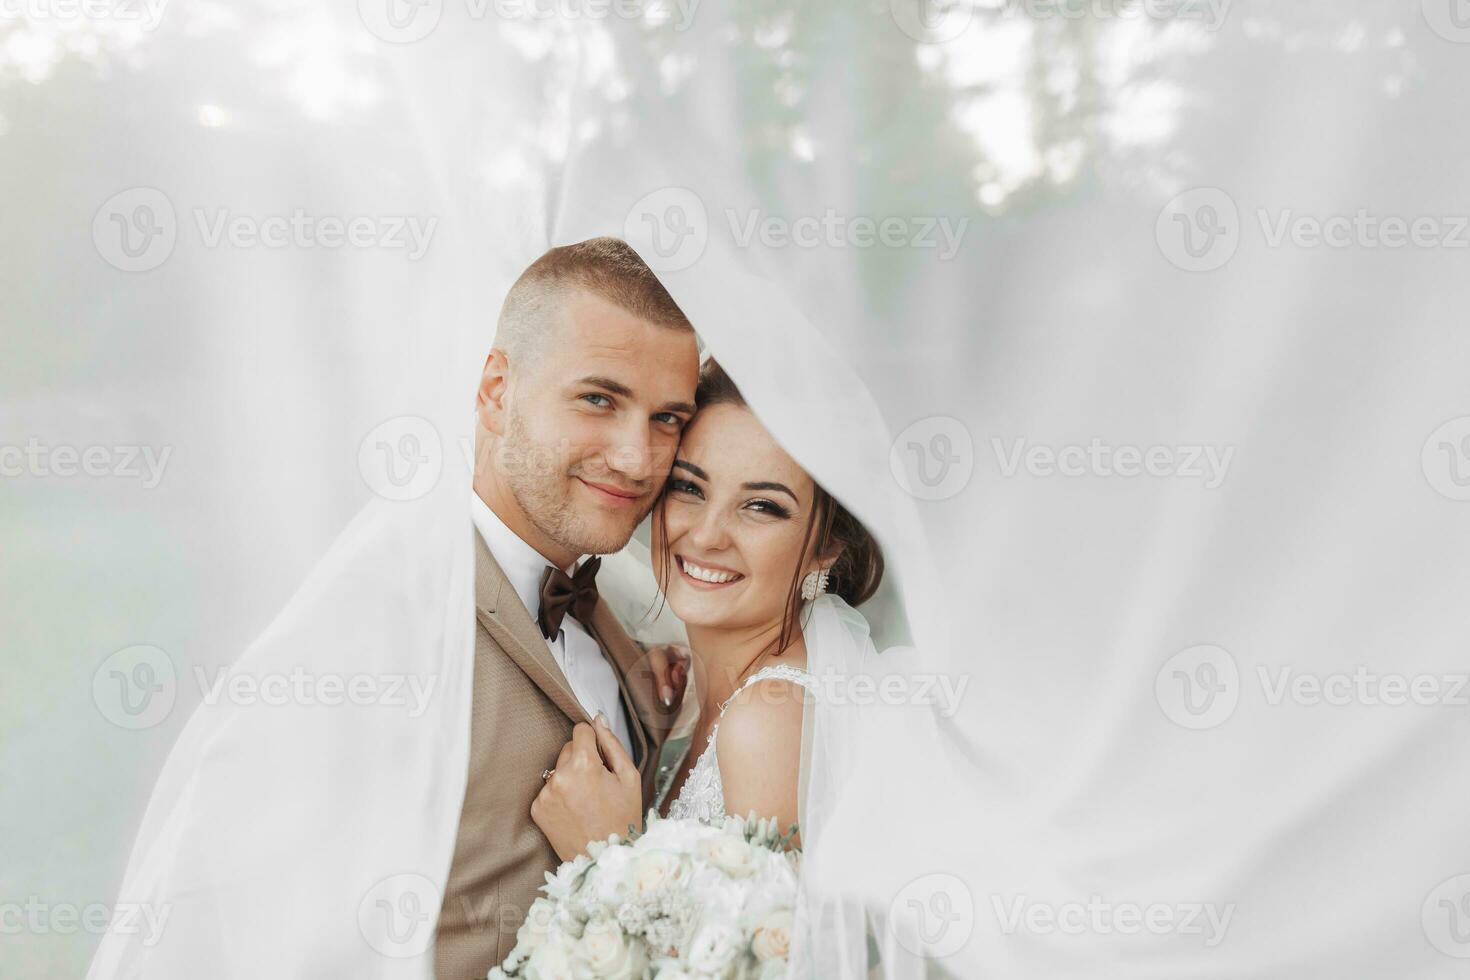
column 684, row 900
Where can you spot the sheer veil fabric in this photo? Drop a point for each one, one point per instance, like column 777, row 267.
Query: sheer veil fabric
column 1035, row 301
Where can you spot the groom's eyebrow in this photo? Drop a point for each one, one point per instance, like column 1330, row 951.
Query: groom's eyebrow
column 608, row 385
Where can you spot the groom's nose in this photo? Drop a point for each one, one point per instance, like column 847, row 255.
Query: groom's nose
column 630, row 456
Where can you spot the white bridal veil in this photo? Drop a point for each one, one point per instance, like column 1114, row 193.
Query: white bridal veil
column 1135, row 331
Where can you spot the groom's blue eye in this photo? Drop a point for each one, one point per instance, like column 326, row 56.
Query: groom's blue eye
column 605, row 401
column 668, row 418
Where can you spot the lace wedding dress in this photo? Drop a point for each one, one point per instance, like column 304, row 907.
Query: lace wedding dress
column 703, row 794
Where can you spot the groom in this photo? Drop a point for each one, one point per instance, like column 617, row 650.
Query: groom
column 578, row 414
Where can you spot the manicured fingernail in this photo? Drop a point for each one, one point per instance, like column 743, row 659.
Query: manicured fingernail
column 667, row 694
column 602, row 719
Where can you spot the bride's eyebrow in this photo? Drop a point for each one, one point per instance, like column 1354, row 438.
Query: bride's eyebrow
column 684, row 464
column 778, row 487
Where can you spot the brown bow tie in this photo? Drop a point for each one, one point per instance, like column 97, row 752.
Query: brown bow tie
column 562, row 593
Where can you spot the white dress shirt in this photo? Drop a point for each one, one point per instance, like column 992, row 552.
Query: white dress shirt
column 577, row 654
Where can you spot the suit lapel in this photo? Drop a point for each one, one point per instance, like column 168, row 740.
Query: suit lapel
column 509, row 624
column 650, row 720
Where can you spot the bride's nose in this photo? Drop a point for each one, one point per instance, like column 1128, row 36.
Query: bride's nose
column 710, row 532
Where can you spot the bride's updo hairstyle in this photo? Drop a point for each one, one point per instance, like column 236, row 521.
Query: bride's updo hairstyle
column 859, row 568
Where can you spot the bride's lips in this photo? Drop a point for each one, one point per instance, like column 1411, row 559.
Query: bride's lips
column 708, row 571
column 608, row 493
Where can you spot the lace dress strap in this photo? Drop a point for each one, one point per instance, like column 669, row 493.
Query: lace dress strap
column 783, row 672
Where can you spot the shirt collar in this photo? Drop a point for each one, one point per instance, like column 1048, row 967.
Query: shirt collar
column 522, row 564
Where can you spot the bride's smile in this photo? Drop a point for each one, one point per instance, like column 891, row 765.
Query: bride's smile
column 707, row 575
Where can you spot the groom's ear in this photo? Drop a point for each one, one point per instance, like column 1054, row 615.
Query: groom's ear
column 491, row 397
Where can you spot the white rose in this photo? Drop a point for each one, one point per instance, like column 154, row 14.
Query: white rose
column 713, row 948
column 551, row 961
column 605, row 953
column 672, row 971
column 655, row 870
column 537, row 927
column 559, row 885
column 728, row 853
column 772, row 938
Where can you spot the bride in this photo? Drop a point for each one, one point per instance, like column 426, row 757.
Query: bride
column 748, row 550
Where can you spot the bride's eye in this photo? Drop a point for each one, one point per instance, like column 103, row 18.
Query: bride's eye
column 764, row 506
column 677, row 485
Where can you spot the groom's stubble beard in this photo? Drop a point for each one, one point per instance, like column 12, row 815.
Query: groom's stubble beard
column 540, row 480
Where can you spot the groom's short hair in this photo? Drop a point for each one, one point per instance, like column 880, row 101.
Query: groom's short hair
column 606, row 267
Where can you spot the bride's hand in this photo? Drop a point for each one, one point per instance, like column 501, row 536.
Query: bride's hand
column 670, row 665
column 583, row 799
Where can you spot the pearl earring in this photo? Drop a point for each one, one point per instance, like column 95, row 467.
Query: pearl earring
column 814, row 584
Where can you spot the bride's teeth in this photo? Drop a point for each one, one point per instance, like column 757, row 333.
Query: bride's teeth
column 708, row 574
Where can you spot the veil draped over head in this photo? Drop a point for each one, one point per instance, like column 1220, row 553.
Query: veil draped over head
column 1026, row 287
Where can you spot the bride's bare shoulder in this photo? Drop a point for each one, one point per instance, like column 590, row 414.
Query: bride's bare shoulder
column 759, row 749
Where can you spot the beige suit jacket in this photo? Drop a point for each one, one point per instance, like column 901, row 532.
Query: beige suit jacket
column 522, row 714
